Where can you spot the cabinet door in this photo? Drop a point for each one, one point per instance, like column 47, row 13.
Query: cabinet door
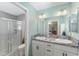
column 49, row 52
column 66, row 48
column 78, row 51
column 63, row 53
column 58, row 53
column 37, row 49
column 71, row 54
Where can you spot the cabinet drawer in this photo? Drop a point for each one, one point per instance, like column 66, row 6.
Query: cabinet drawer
column 58, row 52
column 37, row 42
column 63, row 53
column 71, row 54
column 49, row 48
column 78, row 51
column 49, row 45
column 37, row 48
column 65, row 48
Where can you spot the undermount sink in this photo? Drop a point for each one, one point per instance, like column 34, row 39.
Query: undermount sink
column 40, row 38
column 66, row 41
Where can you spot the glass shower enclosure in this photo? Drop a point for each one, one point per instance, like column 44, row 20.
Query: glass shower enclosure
column 9, row 36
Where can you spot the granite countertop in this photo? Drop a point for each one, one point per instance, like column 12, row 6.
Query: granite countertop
column 73, row 44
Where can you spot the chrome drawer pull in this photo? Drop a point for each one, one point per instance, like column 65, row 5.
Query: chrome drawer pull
column 48, row 45
column 49, row 50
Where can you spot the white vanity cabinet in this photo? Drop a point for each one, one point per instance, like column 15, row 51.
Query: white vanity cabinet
column 40, row 48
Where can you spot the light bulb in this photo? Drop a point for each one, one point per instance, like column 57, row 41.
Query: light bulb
column 59, row 13
column 44, row 16
column 49, row 23
column 40, row 16
column 64, row 12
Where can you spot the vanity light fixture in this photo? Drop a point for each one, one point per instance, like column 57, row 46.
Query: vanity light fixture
column 42, row 16
column 62, row 13
column 59, row 13
column 49, row 23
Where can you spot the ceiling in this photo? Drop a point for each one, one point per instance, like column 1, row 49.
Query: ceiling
column 11, row 8
column 44, row 5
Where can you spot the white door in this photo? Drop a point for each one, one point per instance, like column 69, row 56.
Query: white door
column 37, row 49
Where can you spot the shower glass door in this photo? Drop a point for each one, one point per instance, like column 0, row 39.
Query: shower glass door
column 9, row 36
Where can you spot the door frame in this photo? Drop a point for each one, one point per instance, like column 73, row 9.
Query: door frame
column 26, row 25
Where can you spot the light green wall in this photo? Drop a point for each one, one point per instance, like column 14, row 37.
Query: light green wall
column 51, row 12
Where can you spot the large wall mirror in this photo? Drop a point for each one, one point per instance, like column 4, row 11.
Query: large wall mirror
column 73, row 21
column 53, row 28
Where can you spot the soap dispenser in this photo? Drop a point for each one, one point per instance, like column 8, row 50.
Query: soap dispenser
column 64, row 35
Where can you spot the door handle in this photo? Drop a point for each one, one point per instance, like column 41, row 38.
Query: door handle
column 63, row 54
column 48, row 45
column 66, row 54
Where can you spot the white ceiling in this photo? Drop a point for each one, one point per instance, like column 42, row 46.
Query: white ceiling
column 43, row 5
column 11, row 8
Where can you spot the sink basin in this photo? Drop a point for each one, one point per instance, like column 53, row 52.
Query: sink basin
column 40, row 38
column 66, row 41
column 50, row 39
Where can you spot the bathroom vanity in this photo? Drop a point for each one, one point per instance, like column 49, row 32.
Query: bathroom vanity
column 53, row 48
